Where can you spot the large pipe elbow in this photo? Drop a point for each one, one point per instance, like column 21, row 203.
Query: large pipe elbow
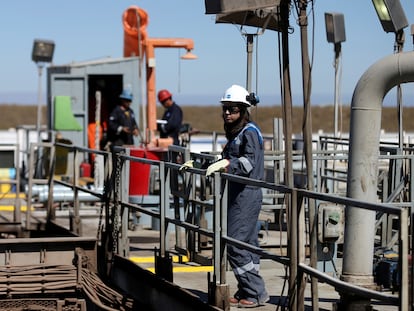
column 381, row 77
column 365, row 125
column 362, row 180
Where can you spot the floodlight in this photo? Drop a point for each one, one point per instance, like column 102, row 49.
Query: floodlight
column 43, row 51
column 391, row 15
column 335, row 33
column 335, row 27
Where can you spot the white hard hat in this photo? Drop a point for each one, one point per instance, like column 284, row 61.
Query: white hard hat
column 236, row 94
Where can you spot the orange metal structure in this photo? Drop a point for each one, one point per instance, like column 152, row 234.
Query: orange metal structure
column 135, row 21
column 150, row 45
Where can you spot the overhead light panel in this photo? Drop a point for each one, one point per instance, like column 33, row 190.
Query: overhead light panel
column 335, row 27
column 391, row 15
column 43, row 51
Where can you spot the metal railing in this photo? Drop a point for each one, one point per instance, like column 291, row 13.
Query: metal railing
column 190, row 197
column 191, row 192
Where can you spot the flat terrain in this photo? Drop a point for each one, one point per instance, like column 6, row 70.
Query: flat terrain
column 208, row 118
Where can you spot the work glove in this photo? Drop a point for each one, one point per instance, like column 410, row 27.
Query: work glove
column 217, row 166
column 186, row 165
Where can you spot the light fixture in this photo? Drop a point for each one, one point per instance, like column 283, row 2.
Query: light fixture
column 189, row 55
column 335, row 33
column 335, row 27
column 43, row 51
column 392, row 18
column 391, row 15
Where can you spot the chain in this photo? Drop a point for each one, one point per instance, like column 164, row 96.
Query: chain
column 107, row 191
column 117, row 189
column 99, row 232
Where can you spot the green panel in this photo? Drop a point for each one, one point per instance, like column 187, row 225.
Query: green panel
column 64, row 118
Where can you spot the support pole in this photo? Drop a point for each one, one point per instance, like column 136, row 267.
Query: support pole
column 39, row 101
column 287, row 128
column 307, row 135
column 249, row 48
column 38, row 166
column 336, row 92
column 399, row 43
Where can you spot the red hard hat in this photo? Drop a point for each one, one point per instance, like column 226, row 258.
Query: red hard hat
column 163, row 95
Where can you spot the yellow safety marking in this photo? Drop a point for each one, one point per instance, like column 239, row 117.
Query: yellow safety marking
column 188, row 269
column 12, row 195
column 143, row 260
column 152, row 259
column 10, row 208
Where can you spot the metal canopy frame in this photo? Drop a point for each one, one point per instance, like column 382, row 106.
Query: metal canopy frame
column 229, row 6
column 267, row 18
column 256, row 13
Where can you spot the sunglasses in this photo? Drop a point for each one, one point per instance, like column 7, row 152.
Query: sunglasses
column 230, row 109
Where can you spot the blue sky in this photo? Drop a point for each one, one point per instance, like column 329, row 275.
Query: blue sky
column 86, row 30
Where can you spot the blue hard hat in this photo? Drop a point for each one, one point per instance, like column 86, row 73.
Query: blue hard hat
column 127, row 95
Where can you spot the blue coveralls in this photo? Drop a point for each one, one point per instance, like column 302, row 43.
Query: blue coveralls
column 121, row 118
column 246, row 155
column 174, row 117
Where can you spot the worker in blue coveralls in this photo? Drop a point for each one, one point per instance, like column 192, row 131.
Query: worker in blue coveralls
column 172, row 119
column 243, row 155
column 122, row 125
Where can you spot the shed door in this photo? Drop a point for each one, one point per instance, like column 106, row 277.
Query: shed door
column 75, row 88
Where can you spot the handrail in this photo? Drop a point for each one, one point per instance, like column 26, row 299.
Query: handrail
column 385, row 208
column 338, row 284
column 217, row 202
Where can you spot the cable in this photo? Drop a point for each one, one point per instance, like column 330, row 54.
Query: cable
column 333, row 261
column 257, row 65
column 179, row 73
column 102, row 295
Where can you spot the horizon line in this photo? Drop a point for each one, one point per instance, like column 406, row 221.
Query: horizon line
column 266, row 100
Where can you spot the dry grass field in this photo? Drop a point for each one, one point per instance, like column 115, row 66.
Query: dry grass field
column 208, row 118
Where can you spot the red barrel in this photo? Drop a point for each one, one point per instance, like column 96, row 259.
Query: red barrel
column 139, row 174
